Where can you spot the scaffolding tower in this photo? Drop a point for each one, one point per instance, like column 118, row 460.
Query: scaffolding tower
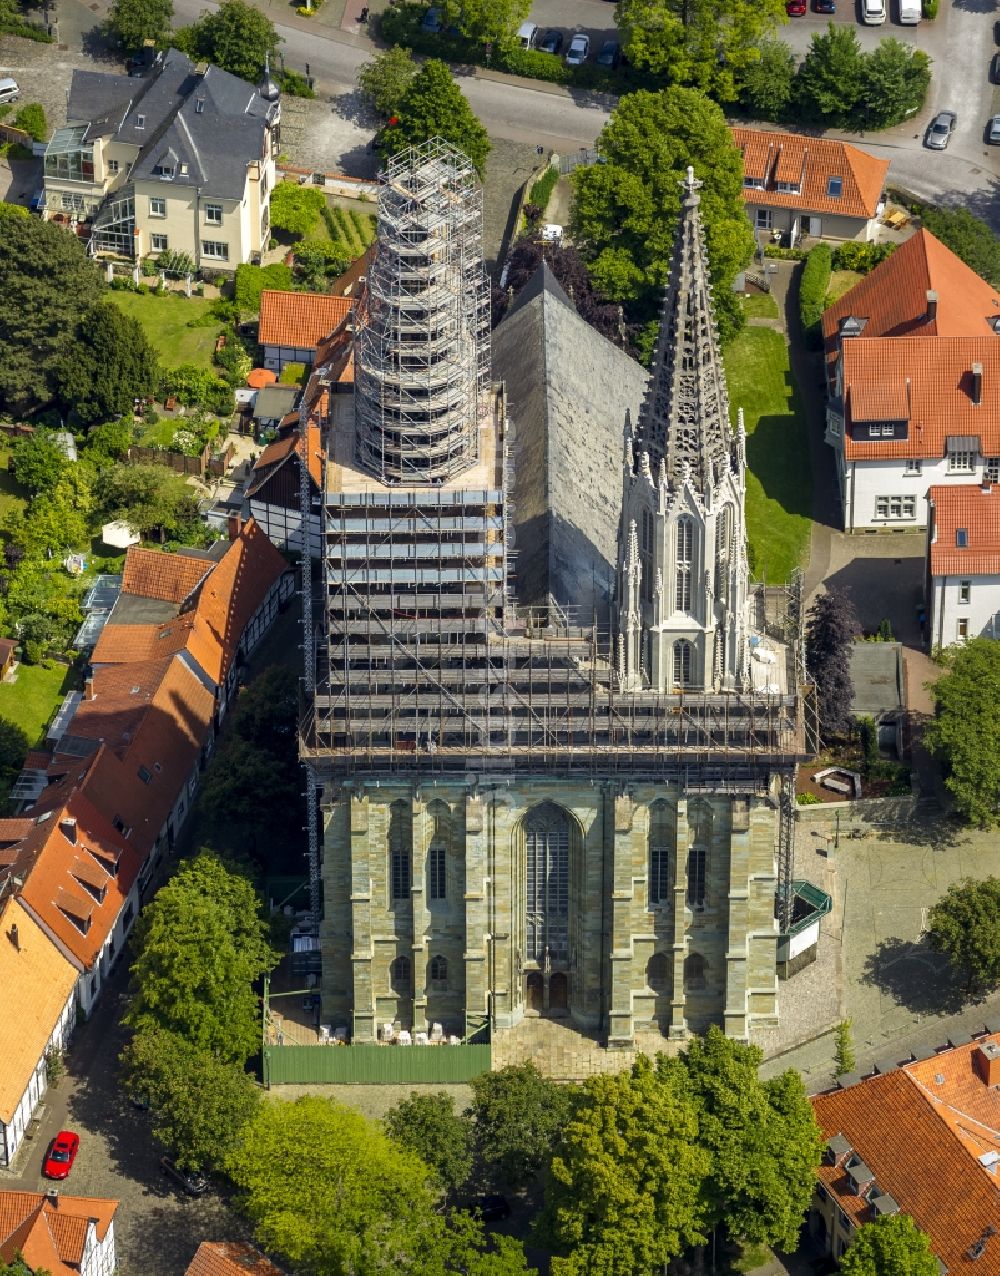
column 423, row 352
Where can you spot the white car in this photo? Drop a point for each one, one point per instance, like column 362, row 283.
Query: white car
column 579, row 50
column 873, row 12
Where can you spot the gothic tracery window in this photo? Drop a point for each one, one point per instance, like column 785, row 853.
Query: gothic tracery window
column 662, row 838
column 438, row 973
column 682, row 664
column 400, row 841
column 547, row 836
column 683, row 563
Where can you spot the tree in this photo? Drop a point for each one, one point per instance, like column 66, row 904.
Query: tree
column 200, row 1105
column 110, row 365
column 965, row 925
column 13, row 750
column 761, row 1139
column 47, row 283
column 518, row 1115
column 150, row 498
column 626, row 208
column 626, row 1184
column 896, row 79
column 429, row 1125
column 384, row 80
column 830, row 82
column 201, row 944
column 296, row 208
column 844, row 1058
column 769, row 83
column 493, row 20
column 111, row 440
column 250, row 282
column 965, row 730
column 318, row 261
column 831, row 629
column 134, row 22
column 434, row 106
column 891, row 1246
column 237, row 37
column 38, row 462
column 567, row 264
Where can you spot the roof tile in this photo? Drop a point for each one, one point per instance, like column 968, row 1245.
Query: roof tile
column 230, row 1258
column 975, row 509
column 811, row 161
column 299, row 319
column 172, row 578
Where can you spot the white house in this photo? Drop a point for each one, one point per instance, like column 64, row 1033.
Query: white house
column 963, row 563
column 58, row 1234
column 913, row 385
column 292, row 324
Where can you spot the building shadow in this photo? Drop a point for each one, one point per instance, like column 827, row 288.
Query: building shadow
column 866, row 581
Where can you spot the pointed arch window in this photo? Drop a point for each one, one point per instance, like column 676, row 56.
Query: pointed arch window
column 437, row 879
column 400, row 862
column 546, row 834
column 399, row 975
column 438, row 973
column 662, row 839
column 700, row 823
column 695, row 968
column 723, row 535
column 682, row 663
column 683, row 562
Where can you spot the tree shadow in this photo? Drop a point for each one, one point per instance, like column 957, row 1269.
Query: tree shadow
column 360, row 161
column 353, row 106
column 914, row 976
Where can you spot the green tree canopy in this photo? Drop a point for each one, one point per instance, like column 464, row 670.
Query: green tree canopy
column 110, row 364
column 236, row 37
column 434, row 106
column 38, row 462
column 626, row 208
column 518, row 1116
column 761, row 1138
column 891, row 1246
column 111, row 440
column 965, row 732
column 47, row 283
column 150, row 498
column 626, row 1185
column 200, row 1104
column 250, row 282
column 831, row 628
column 201, row 944
column 496, row 20
column 386, row 77
column 769, row 83
column 134, row 22
column 429, row 1125
column 830, row 83
column 896, row 79
column 296, row 208
column 14, row 745
column 965, row 925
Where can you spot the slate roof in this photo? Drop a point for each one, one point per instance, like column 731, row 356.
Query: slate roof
column 230, row 1258
column 569, row 391
column 810, row 162
column 274, row 402
column 50, row 1234
column 36, row 979
column 975, row 509
column 299, row 319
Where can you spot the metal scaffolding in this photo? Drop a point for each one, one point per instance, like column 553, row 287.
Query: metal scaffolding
column 423, row 351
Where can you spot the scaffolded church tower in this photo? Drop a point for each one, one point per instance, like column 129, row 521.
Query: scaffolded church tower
column 516, row 819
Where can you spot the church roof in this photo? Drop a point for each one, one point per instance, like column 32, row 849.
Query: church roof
column 684, row 421
column 569, row 390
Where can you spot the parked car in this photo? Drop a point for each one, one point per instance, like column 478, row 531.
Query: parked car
column 61, row 1155
column 939, row 130
column 996, row 32
column 191, row 1181
column 610, row 54
column 579, row 50
column 796, row 8
column 825, row 6
column 995, row 68
column 552, row 42
column 432, row 21
column 873, row 12
column 491, row 1207
column 993, row 130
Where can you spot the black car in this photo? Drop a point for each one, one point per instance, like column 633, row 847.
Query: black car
column 995, row 69
column 552, row 42
column 194, row 1183
column 610, row 54
column 491, row 1207
column 825, row 6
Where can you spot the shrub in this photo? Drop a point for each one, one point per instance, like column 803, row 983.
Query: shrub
column 534, row 64
column 31, row 118
column 784, row 254
column 252, row 280
column 807, row 799
column 863, row 258
column 813, row 288
column 929, row 8
column 295, row 84
column 542, row 189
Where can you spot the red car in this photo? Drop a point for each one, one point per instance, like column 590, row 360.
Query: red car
column 796, row 8
column 61, row 1155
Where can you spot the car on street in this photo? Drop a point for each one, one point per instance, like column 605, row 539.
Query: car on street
column 579, row 50
column 996, row 32
column 939, row 130
column 491, row 1207
column 995, row 68
column 993, row 130
column 796, row 8
column 552, row 42
column 610, row 54
column 194, row 1183
column 61, row 1155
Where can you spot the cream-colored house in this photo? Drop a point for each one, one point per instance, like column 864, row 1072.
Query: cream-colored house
column 181, row 159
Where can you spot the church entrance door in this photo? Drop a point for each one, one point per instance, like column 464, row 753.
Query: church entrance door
column 534, row 992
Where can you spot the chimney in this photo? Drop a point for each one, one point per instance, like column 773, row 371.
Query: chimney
column 986, row 1062
column 931, row 305
column 977, row 384
column 52, row 1197
column 88, row 688
column 67, row 826
column 235, row 524
column 14, row 937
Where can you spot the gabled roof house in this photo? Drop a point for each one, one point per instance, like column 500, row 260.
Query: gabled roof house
column 61, row 1235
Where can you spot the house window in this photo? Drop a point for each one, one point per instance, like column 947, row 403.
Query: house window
column 685, row 554
column 213, row 214
column 914, row 465
column 112, row 167
column 963, row 629
column 992, row 469
column 788, row 188
column 399, row 975
column 157, row 207
column 880, row 430
column 961, row 462
column 158, row 243
column 438, row 973
column 215, row 248
column 965, row 591
column 756, row 183
column 835, row 187
column 682, row 664
column 436, row 872
column 144, row 775
column 163, row 170
column 895, row 508
column 763, row 219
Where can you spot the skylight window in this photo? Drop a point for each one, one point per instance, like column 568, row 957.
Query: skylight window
column 835, row 187
column 962, row 538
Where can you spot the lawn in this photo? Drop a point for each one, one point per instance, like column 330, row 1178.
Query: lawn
column 166, row 320
column 34, row 698
column 779, row 481
column 760, row 305
column 13, row 498
column 841, row 281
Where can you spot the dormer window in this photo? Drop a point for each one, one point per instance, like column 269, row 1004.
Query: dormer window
column 788, row 188
column 835, row 187
column 199, row 106
column 164, row 171
column 140, row 121
column 756, row 183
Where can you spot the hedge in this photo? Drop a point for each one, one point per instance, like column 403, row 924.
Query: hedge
column 813, row 287
column 543, row 187
column 930, row 8
column 861, row 257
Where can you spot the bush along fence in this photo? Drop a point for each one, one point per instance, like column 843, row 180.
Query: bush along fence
column 813, row 287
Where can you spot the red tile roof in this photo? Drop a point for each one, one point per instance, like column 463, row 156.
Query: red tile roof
column 810, row 162
column 976, row 510
column 122, row 644
column 230, row 1258
column 150, row 573
column 299, row 319
column 50, row 1234
column 916, row 1158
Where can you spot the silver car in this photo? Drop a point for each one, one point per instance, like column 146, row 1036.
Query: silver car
column 579, row 50
column 993, row 130
column 939, row 130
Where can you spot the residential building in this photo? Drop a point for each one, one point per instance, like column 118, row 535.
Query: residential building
column 920, row 1140
column 39, row 985
column 274, row 492
column 962, row 589
column 292, row 324
column 794, row 185
column 181, row 158
column 230, row 1258
column 913, row 384
column 8, row 656
column 61, row 1235
column 273, row 405
column 524, row 813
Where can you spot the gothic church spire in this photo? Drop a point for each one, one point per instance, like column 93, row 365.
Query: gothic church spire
column 684, row 422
